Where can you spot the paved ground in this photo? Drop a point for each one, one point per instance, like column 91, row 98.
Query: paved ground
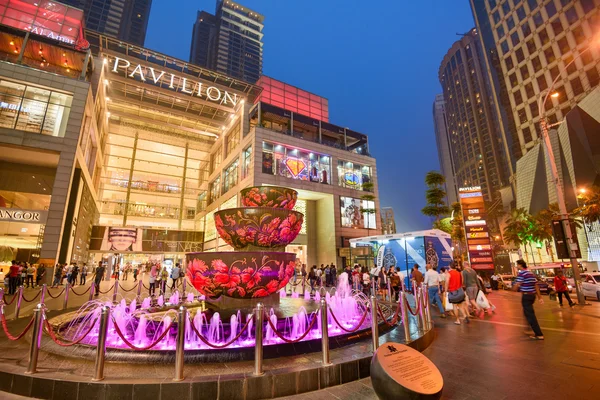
column 492, row 358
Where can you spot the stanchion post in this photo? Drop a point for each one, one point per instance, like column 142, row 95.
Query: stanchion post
column 389, row 287
column 44, row 289
column 2, row 295
column 116, row 291
column 19, row 301
column 420, row 313
column 374, row 325
column 325, row 334
column 34, row 348
column 66, row 299
column 303, row 284
column 101, row 346
column 92, row 290
column 425, row 305
column 180, row 346
column 258, row 348
column 184, row 287
column 139, row 290
column 405, row 320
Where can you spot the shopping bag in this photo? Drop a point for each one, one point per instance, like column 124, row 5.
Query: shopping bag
column 447, row 305
column 552, row 296
column 482, row 301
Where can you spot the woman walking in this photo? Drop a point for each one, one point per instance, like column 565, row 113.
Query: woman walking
column 456, row 294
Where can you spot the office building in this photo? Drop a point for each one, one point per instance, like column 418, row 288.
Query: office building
column 229, row 42
column 530, row 44
column 442, row 141
column 475, row 140
column 388, row 221
column 126, row 20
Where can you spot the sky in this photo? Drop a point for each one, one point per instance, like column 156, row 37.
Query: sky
column 376, row 62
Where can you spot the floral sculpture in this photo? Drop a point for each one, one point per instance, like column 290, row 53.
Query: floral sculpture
column 258, row 232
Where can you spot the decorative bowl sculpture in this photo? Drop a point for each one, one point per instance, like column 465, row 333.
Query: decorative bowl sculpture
column 241, row 275
column 269, row 196
column 258, row 227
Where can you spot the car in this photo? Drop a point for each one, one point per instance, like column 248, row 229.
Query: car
column 590, row 284
column 543, row 285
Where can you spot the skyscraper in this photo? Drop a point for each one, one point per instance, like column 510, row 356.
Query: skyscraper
column 124, row 19
column 475, row 140
column 388, row 222
column 529, row 44
column 442, row 140
column 230, row 41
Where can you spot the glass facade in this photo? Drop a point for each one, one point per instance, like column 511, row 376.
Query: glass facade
column 295, row 163
column 352, row 175
column 230, row 176
column 33, row 109
column 246, row 162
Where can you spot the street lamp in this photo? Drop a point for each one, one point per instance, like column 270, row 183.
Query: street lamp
column 560, row 195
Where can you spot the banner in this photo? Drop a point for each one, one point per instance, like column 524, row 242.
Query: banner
column 380, row 256
column 116, row 239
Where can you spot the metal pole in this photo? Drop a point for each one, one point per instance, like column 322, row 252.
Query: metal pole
column 35, row 339
column 92, row 290
column 420, row 314
column 101, row 345
column 258, row 347
column 2, row 296
column 180, row 349
column 303, row 285
column 324, row 333
column 184, row 287
column 116, row 291
column 139, row 290
column 405, row 320
column 389, row 286
column 43, row 295
column 66, row 299
column 374, row 326
column 426, row 303
column 19, row 300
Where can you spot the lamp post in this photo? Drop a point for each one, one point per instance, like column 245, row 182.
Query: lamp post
column 560, row 195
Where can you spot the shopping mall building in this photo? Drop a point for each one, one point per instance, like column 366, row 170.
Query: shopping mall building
column 112, row 149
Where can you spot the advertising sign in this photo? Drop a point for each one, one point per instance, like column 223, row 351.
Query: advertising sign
column 479, row 245
column 352, row 217
column 117, row 239
column 18, row 215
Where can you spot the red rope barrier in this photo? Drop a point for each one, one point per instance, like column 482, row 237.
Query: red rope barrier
column 127, row 291
column 217, row 346
column 410, row 309
column 280, row 336
column 394, row 317
column 357, row 326
column 58, row 295
column 36, row 296
column 145, row 287
column 52, row 334
column 13, row 299
column 131, row 345
column 19, row 336
column 81, row 294
column 108, row 291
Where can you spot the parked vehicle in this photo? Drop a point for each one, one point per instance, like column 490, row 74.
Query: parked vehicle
column 543, row 286
column 590, row 284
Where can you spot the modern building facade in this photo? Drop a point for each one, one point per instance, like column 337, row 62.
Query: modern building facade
column 388, row 221
column 528, row 46
column 230, row 41
column 442, row 141
column 474, row 137
column 126, row 20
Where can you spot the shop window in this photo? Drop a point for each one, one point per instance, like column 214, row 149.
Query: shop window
column 215, row 159
column 33, row 109
column 357, row 213
column 352, row 175
column 294, row 163
column 232, row 139
column 246, row 162
column 230, row 176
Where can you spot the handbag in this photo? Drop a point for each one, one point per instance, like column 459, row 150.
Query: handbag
column 456, row 296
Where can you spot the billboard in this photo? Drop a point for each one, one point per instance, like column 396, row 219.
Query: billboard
column 477, row 234
column 118, row 239
column 352, row 217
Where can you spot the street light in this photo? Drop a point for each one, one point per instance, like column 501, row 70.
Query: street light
column 560, row 195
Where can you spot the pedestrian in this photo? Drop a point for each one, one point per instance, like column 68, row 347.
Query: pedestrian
column 320, row 275
column 135, row 273
column 470, row 285
column 117, row 272
column 69, row 273
column 152, row 280
column 164, row 275
column 74, row 273
column 23, row 274
column 417, row 276
column 41, row 273
column 84, row 272
column 383, row 283
column 366, row 279
column 526, row 283
column 175, row 276
column 30, row 274
column 456, row 294
column 312, row 278
column 13, row 277
column 432, row 282
column 481, row 286
column 395, row 282
column 494, row 281
column 98, row 275
column 327, row 276
column 57, row 276
column 356, row 278
column 333, row 272
column 562, row 288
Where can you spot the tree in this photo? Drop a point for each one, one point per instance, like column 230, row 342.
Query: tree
column 589, row 210
column 436, row 205
column 542, row 230
column 518, row 229
column 458, row 232
column 368, row 197
column 444, row 224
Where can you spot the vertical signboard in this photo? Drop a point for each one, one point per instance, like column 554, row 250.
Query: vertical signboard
column 477, row 233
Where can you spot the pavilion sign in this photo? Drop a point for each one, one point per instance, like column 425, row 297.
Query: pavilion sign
column 174, row 82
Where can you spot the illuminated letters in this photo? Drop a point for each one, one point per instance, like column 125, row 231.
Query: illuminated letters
column 138, row 69
column 154, row 78
column 184, row 87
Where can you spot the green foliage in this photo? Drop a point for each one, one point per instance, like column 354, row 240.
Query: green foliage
column 436, row 205
column 368, row 187
column 444, row 224
column 589, row 209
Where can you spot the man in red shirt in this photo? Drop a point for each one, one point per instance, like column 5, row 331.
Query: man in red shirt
column 561, row 287
column 13, row 278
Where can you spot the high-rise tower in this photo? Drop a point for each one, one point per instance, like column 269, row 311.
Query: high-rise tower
column 442, row 140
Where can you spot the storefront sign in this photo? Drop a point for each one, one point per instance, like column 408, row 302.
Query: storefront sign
column 477, row 233
column 18, row 215
column 51, row 35
column 175, row 82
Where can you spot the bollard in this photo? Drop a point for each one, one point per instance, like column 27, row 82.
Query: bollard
column 43, row 295
column 19, row 300
column 180, row 345
column 139, row 291
column 35, row 339
column 374, row 325
column 303, row 285
column 2, row 296
column 92, row 290
column 101, row 346
column 405, row 320
column 389, row 287
column 184, row 287
column 426, row 303
column 420, row 314
column 66, row 299
column 258, row 347
column 324, row 333
column 116, row 291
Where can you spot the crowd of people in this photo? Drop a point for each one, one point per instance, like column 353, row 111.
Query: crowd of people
column 23, row 274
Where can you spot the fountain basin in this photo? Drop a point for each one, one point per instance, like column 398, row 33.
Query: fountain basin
column 269, row 196
column 258, row 227
column 241, row 275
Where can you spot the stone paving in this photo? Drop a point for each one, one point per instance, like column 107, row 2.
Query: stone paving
column 492, row 359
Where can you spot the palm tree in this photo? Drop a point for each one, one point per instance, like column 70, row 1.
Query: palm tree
column 518, row 229
column 542, row 231
column 435, row 194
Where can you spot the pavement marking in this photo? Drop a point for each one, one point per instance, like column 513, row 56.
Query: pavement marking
column 588, row 352
column 542, row 327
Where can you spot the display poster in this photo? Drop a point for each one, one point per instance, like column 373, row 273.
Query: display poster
column 479, row 245
column 352, row 217
column 111, row 239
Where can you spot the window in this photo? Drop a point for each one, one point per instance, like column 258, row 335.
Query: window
column 554, row 73
column 504, row 46
column 214, row 190
column 531, row 46
column 538, row 20
column 587, row 57
column 230, row 176
column 246, row 162
column 563, row 45
column 294, row 163
column 543, row 35
column 520, row 55
column 524, row 72
column 510, row 22
column 513, row 79
column 232, row 139
column 509, row 63
column 33, row 109
column 557, row 26
column 536, row 64
column 578, row 35
column 357, row 213
column 518, row 97
column 571, row 15
column 514, row 38
column 572, row 66
column 529, row 90
column 352, row 175
column 532, row 4
column 550, row 9
column 521, row 13
column 576, row 86
column 549, row 53
column 526, row 29
column 533, row 108
column 526, row 134
column 593, row 76
column 587, row 5
column 215, row 159
column 500, row 31
column 522, row 115
column 506, row 8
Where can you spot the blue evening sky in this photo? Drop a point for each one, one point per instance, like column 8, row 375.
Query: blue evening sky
column 376, row 61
